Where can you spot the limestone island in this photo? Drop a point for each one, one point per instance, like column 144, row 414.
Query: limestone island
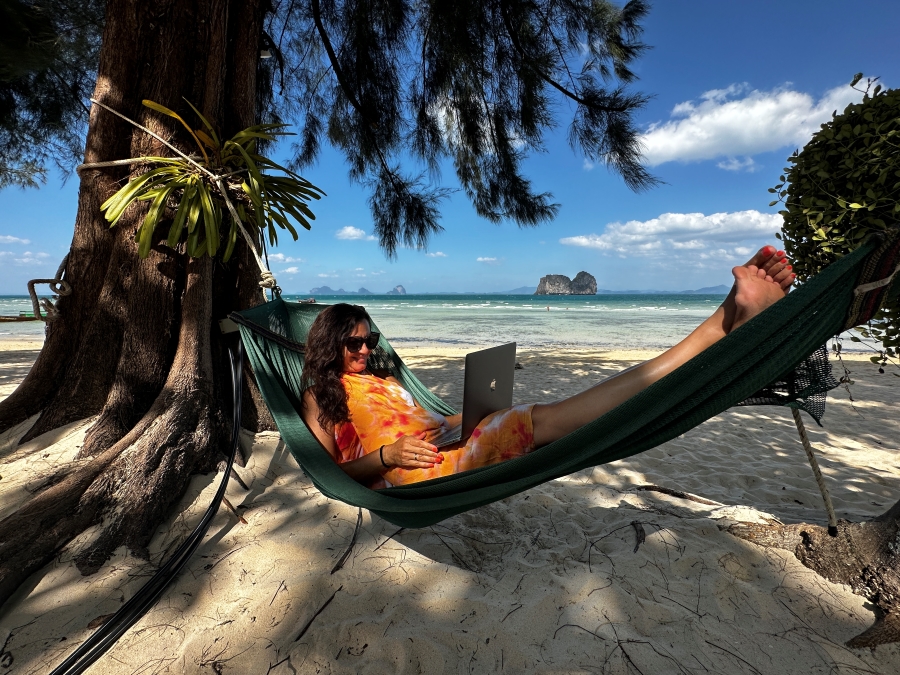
column 559, row 284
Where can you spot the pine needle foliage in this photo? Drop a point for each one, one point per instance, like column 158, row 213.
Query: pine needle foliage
column 470, row 84
column 48, row 56
column 841, row 188
column 407, row 90
column 191, row 194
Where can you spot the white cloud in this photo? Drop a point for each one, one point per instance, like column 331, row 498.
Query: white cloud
column 375, row 274
column 282, row 258
column 587, row 165
column 332, row 275
column 720, row 234
column 737, row 164
column 6, row 239
column 350, row 232
column 29, row 258
column 737, row 122
column 358, row 269
column 436, row 254
column 290, row 270
column 489, row 261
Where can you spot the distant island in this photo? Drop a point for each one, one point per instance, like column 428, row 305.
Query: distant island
column 560, row 284
column 326, row 290
column 721, row 289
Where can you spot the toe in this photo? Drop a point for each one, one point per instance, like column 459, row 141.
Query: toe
column 763, row 256
column 776, row 265
column 784, row 273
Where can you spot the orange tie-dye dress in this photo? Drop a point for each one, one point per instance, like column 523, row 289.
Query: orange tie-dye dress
column 382, row 412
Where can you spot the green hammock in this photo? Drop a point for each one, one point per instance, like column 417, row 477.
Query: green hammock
column 740, row 365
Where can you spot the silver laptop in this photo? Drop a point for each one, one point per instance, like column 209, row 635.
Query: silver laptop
column 488, row 387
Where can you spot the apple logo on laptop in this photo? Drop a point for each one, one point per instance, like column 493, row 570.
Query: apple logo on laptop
column 493, row 384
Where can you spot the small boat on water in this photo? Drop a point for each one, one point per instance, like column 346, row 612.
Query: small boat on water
column 23, row 316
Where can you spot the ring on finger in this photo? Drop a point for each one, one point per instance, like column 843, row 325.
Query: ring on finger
column 417, row 457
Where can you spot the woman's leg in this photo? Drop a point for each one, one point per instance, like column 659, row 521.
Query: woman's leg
column 761, row 282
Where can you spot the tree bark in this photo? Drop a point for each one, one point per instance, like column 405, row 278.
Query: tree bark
column 865, row 556
column 137, row 343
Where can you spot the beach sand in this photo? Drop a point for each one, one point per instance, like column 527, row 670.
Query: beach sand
column 551, row 581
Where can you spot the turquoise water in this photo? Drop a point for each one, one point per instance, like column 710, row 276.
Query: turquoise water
column 13, row 305
column 598, row 321
column 585, row 321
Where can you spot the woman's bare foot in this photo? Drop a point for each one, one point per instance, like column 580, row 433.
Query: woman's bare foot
column 774, row 268
column 755, row 290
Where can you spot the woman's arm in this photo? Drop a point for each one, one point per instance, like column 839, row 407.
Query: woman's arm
column 407, row 452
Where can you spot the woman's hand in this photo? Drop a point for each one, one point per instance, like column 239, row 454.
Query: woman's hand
column 411, row 452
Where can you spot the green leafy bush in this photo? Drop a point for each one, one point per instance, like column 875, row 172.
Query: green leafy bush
column 843, row 186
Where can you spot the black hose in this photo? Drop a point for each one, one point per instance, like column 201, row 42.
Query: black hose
column 141, row 602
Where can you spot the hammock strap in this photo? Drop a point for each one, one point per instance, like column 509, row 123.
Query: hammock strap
column 826, row 497
column 268, row 334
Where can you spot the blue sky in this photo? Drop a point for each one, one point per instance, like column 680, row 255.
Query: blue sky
column 736, row 86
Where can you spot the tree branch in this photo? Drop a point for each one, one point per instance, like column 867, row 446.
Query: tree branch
column 514, row 38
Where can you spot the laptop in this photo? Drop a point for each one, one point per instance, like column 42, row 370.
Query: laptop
column 488, row 387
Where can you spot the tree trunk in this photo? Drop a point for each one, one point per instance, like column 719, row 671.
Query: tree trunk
column 136, row 343
column 865, row 556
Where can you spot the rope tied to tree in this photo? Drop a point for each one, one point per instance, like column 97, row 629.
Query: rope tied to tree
column 58, row 287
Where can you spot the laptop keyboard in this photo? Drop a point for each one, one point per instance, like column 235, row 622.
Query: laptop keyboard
column 449, row 437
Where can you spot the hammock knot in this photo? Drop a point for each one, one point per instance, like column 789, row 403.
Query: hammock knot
column 267, row 280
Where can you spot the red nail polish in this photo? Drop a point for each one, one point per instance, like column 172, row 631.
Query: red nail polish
column 780, row 253
column 790, row 267
column 783, row 260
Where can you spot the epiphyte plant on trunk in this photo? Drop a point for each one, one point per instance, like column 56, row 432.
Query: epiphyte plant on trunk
column 225, row 175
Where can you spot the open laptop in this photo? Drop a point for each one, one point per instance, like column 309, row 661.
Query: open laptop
column 488, row 387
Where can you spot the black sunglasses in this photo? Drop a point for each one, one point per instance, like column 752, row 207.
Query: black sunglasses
column 354, row 344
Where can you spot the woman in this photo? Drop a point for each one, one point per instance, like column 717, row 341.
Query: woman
column 375, row 431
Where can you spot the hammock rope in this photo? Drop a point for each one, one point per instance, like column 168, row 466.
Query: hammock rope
column 826, row 497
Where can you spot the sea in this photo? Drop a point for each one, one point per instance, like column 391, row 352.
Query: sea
column 626, row 321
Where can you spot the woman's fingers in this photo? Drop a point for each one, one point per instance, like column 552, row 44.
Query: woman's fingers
column 414, row 453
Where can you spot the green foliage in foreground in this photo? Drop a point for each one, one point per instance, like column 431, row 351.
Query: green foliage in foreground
column 842, row 187
column 226, row 176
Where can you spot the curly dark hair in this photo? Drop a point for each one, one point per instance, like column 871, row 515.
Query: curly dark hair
column 324, row 363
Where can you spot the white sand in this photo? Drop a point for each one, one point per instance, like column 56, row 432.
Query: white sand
column 547, row 581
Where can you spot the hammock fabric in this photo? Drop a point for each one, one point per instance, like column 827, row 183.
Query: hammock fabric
column 742, row 365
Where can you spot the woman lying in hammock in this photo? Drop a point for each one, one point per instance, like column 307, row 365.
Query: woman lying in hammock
column 374, row 430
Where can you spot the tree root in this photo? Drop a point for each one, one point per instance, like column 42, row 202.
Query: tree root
column 865, row 556
column 140, row 486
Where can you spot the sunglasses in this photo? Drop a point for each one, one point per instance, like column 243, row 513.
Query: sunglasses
column 354, row 344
